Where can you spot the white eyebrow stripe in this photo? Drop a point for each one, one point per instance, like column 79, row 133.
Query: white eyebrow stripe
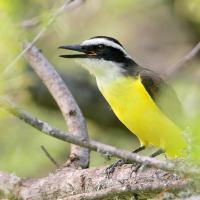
column 96, row 41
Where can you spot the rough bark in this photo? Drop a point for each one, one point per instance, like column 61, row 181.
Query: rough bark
column 93, row 183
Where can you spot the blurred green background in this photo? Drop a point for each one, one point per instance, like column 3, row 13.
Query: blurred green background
column 157, row 33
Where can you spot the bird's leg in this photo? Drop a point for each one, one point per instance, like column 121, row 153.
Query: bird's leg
column 157, row 153
column 153, row 155
column 111, row 168
column 141, row 148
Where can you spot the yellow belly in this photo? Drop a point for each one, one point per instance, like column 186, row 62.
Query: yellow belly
column 137, row 111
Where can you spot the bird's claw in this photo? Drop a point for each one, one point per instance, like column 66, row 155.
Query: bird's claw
column 109, row 170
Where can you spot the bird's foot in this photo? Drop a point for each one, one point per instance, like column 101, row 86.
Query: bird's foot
column 136, row 168
column 109, row 170
column 140, row 167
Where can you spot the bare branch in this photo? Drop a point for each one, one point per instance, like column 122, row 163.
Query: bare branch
column 9, row 185
column 97, row 146
column 67, row 104
column 92, row 183
column 49, row 156
column 66, row 6
column 184, row 59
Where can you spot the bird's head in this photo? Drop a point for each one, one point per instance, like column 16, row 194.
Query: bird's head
column 100, row 55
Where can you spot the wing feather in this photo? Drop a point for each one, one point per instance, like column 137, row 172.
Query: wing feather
column 162, row 94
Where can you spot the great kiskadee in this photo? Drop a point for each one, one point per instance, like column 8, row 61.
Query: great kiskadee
column 141, row 100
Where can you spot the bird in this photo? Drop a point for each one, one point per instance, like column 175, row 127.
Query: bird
column 140, row 98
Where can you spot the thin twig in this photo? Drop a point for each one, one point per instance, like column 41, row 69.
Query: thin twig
column 67, row 104
column 94, row 145
column 184, row 59
column 49, row 156
column 66, row 6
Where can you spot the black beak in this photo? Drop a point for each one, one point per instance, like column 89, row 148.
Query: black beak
column 77, row 48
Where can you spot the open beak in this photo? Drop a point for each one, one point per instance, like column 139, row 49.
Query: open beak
column 78, row 48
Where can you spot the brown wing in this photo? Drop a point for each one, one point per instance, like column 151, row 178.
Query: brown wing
column 163, row 95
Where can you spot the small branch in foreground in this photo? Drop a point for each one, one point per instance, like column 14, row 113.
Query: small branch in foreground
column 67, row 104
column 94, row 145
column 66, row 6
column 49, row 156
column 184, row 59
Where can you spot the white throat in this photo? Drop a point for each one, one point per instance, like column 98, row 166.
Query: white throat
column 104, row 71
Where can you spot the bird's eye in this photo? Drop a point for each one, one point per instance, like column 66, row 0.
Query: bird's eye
column 100, row 46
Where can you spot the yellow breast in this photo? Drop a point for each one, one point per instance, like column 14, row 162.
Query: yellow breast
column 138, row 112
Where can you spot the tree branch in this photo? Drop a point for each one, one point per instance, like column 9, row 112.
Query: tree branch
column 97, row 146
column 49, row 156
column 66, row 6
column 92, row 183
column 67, row 104
column 150, row 190
column 8, row 185
column 184, row 59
